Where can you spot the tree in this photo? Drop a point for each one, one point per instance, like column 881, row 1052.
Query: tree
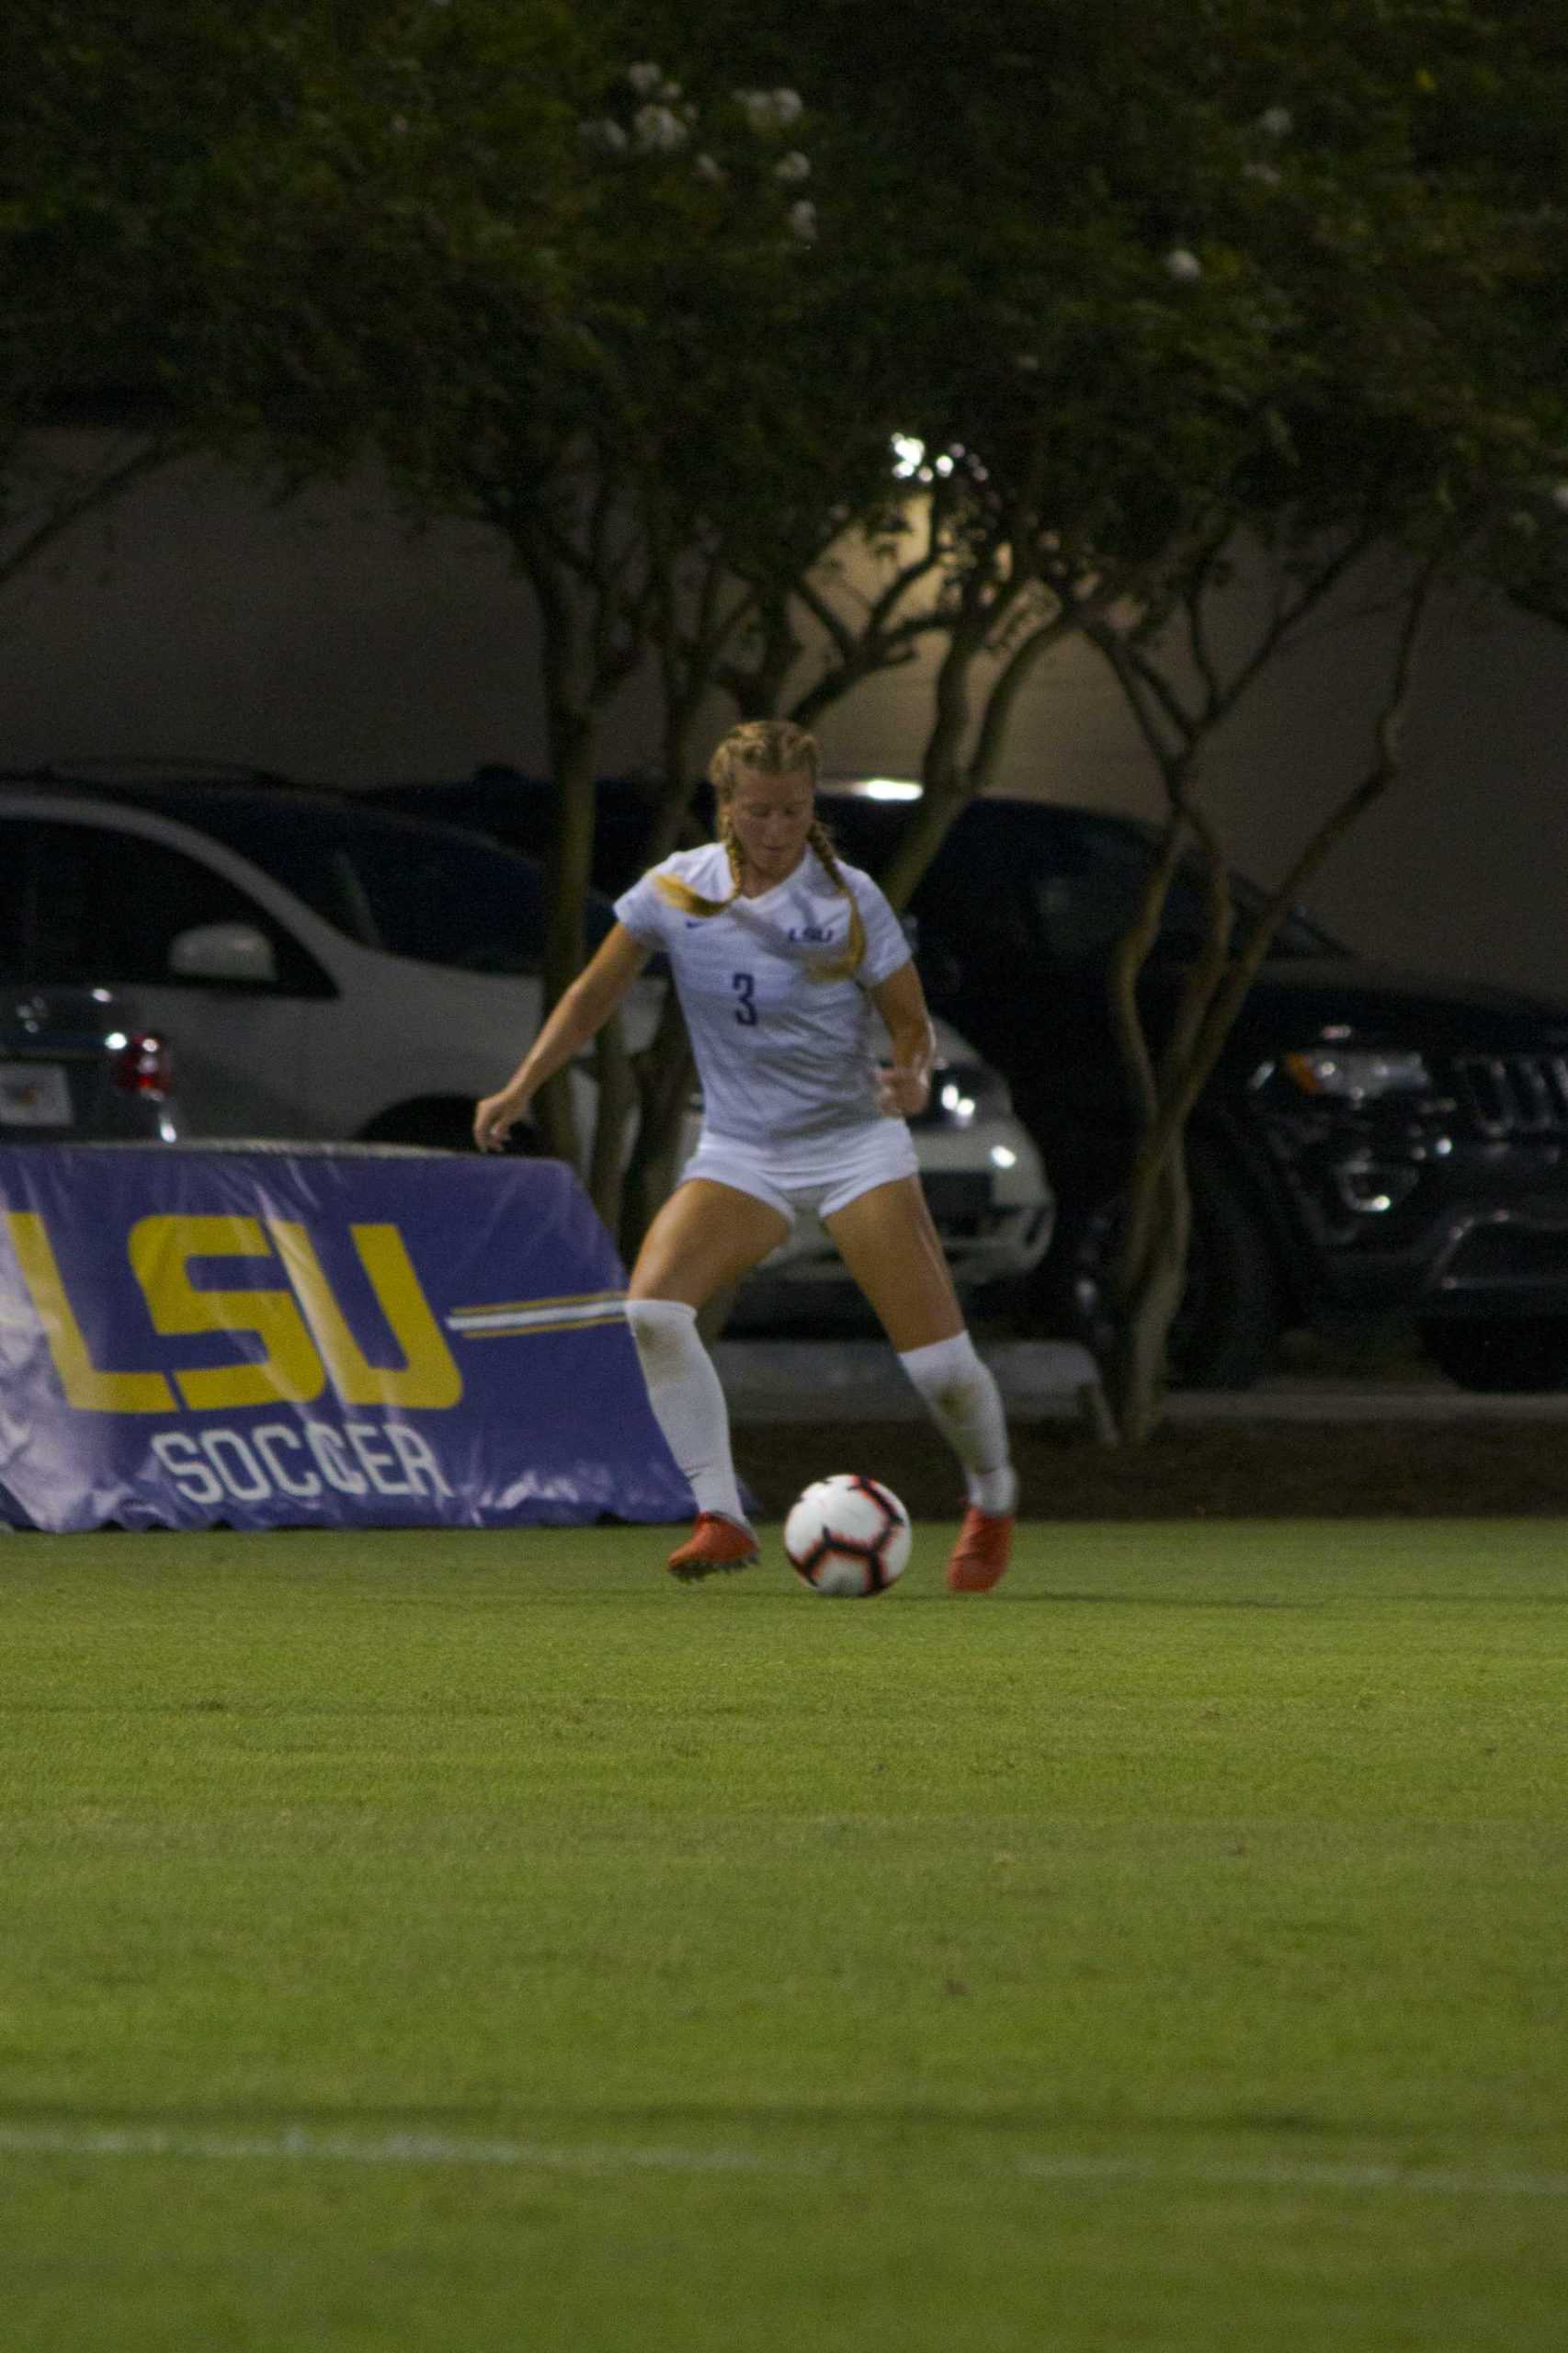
column 1421, row 422
column 244, row 231
column 1290, row 330
column 651, row 295
column 646, row 454
column 1143, row 294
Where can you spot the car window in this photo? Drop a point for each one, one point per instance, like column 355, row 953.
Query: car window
column 1086, row 895
column 436, row 899
column 105, row 906
column 1085, row 898
column 421, row 890
column 14, row 889
column 969, row 895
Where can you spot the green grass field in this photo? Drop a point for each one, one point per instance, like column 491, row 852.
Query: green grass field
column 478, row 1941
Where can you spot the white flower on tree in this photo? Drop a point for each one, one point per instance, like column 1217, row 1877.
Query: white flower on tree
column 658, row 130
column 802, row 218
column 1277, row 122
column 1182, row 266
column 645, row 79
column 707, row 167
column 792, row 166
column 770, row 109
column 605, row 134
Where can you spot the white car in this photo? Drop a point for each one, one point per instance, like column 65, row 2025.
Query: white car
column 330, row 971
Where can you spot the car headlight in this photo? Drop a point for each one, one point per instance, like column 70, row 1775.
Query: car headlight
column 962, row 1093
column 1358, row 1073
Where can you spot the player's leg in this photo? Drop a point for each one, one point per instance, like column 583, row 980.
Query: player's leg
column 893, row 1249
column 706, row 1236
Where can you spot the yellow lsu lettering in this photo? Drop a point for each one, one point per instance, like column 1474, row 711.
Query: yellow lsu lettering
column 303, row 1334
column 288, row 1368
column 429, row 1376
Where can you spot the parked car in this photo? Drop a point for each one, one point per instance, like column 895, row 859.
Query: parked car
column 78, row 1065
column 331, row 972
column 335, row 971
column 1373, row 1146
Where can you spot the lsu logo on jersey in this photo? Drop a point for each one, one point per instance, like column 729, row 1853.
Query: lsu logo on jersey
column 812, row 935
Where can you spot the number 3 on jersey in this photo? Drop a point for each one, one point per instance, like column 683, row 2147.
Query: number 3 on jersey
column 744, row 986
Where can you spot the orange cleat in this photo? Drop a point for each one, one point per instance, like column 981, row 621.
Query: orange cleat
column 715, row 1543
column 981, row 1555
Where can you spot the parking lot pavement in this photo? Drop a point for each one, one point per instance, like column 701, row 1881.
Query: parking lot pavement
column 860, row 1380
column 1303, row 1398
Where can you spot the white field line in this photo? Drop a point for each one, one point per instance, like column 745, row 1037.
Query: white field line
column 298, row 2142
column 307, row 2144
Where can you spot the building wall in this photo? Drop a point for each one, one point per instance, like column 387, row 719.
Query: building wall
column 323, row 640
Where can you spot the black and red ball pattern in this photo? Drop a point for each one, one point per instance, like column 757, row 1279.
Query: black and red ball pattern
column 877, row 1554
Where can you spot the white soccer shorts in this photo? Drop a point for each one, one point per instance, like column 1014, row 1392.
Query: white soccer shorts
column 821, row 1174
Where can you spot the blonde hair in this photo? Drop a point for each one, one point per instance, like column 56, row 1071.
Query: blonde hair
column 769, row 747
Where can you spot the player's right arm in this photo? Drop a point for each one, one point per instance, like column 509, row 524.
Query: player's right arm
column 581, row 1013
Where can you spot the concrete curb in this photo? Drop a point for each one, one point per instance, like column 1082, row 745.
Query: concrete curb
column 860, row 1380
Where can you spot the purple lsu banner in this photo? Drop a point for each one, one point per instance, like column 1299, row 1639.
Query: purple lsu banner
column 279, row 1337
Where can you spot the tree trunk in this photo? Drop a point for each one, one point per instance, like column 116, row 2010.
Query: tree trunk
column 570, row 866
column 618, row 1101
column 1148, row 1293
column 663, row 1075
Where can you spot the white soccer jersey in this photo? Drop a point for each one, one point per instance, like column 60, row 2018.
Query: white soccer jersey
column 779, row 1053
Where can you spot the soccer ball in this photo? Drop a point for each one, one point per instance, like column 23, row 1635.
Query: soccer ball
column 848, row 1536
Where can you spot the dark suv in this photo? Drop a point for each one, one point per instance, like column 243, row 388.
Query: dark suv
column 1373, row 1147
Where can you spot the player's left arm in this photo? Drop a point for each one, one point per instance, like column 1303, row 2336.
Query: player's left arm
column 905, row 1089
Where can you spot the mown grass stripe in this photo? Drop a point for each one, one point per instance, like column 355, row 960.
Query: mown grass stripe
column 302, row 2143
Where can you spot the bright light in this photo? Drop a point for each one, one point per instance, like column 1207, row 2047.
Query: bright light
column 116, row 1040
column 1002, row 1158
column 889, row 788
column 910, row 456
column 1359, row 1074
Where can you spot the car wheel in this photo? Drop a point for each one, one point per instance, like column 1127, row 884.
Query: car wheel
column 1232, row 1310
column 1504, row 1358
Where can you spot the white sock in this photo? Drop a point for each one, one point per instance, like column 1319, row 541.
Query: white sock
column 964, row 1402
column 688, row 1402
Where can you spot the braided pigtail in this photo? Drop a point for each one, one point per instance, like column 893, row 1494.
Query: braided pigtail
column 692, row 902
column 844, row 967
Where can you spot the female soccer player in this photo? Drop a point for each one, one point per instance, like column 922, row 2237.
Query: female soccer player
column 779, row 951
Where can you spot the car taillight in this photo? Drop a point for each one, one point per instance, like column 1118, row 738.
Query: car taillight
column 144, row 1066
